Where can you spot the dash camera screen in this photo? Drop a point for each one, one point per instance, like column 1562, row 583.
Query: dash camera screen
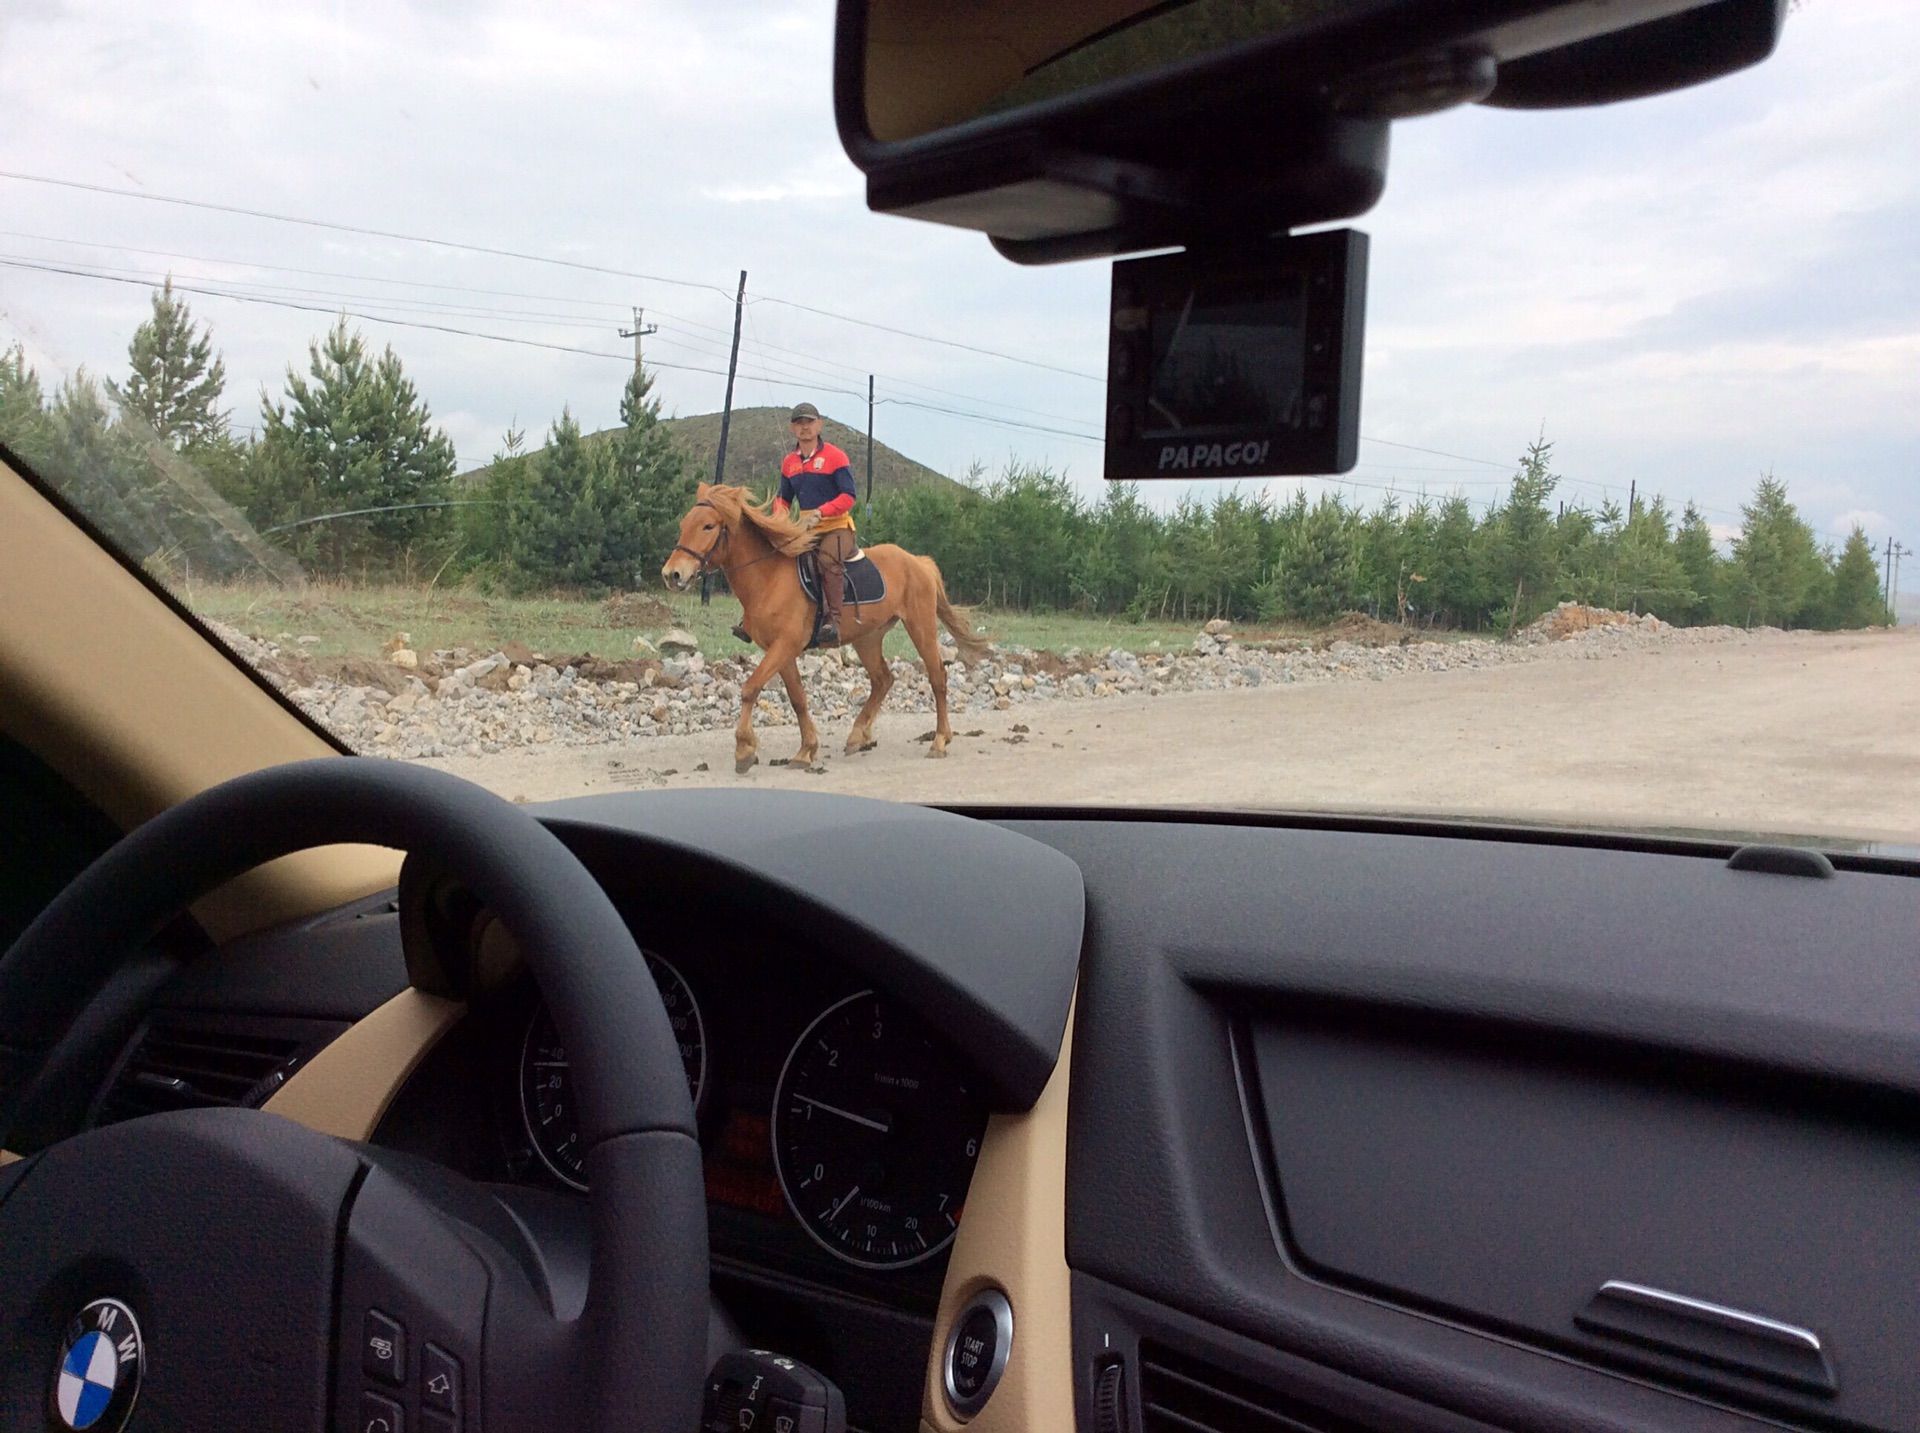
column 1228, row 359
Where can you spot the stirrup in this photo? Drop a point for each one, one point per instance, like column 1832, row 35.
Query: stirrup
column 740, row 631
column 828, row 633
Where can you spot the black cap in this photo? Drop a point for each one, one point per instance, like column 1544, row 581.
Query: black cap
column 802, row 410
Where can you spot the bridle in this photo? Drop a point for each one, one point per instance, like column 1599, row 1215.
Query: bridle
column 705, row 559
column 709, row 559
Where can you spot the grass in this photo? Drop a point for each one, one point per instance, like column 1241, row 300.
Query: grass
column 358, row 621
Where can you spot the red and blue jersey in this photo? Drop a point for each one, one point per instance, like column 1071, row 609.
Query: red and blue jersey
column 823, row 481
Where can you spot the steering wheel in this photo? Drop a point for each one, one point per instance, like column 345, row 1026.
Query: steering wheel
column 228, row 1269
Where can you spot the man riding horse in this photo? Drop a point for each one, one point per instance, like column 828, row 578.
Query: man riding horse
column 816, row 489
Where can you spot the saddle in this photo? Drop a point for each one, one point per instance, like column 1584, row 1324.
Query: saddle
column 864, row 583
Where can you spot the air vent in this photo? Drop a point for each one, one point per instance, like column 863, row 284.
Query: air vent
column 190, row 1060
column 1182, row 1395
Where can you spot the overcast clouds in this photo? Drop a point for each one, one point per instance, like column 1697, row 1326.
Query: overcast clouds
column 1685, row 291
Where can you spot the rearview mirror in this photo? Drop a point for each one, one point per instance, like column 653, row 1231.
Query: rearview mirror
column 1071, row 128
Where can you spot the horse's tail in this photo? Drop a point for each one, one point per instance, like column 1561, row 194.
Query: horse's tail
column 973, row 645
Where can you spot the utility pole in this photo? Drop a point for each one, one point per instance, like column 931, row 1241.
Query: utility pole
column 726, row 416
column 1900, row 550
column 869, row 440
column 1886, row 576
column 1633, row 487
column 641, row 328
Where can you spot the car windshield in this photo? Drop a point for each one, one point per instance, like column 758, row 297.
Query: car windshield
column 398, row 343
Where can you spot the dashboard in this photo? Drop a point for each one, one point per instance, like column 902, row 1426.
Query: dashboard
column 838, row 1132
column 1362, row 1132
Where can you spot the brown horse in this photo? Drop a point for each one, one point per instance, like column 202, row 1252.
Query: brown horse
column 728, row 530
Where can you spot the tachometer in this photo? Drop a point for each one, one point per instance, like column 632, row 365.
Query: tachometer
column 546, row 1084
column 875, row 1134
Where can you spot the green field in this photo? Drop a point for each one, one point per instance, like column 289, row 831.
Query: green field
column 358, row 621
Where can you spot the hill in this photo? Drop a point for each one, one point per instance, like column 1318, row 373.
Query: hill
column 757, row 439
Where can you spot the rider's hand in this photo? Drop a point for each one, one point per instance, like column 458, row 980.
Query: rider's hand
column 808, row 517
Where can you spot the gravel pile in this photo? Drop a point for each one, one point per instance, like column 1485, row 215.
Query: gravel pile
column 460, row 702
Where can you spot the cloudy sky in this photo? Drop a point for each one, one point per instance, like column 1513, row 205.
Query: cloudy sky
column 1683, row 292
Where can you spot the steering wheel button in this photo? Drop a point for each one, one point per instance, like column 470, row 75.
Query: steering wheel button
column 439, row 1380
column 383, row 1352
column 381, row 1415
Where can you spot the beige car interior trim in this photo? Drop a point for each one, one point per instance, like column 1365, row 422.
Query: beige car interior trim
column 1013, row 1237
column 7, row 1156
column 106, row 684
column 346, row 1088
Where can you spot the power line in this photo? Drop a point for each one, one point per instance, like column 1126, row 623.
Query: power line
column 926, row 337
column 623, row 358
column 523, row 256
column 817, row 362
column 985, row 418
column 311, row 273
column 237, row 287
column 360, row 229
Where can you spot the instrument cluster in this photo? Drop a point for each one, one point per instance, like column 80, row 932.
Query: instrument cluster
column 823, row 1105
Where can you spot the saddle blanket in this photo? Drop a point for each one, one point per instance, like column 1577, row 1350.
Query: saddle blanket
column 865, row 582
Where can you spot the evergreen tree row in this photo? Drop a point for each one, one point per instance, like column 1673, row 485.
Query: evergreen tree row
column 1029, row 540
column 349, row 478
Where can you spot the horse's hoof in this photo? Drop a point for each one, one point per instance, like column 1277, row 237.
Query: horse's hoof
column 934, row 752
column 743, row 764
column 854, row 748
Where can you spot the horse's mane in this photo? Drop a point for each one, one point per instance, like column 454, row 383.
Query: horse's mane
column 783, row 534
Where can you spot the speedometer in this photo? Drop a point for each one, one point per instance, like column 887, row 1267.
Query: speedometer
column 875, row 1134
column 546, row 1075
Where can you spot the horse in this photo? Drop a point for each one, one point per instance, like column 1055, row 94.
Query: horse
column 730, row 531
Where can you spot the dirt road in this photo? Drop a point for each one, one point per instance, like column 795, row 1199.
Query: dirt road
column 1797, row 733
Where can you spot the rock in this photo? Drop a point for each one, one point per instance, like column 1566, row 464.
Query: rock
column 1218, row 627
column 396, row 642
column 678, row 641
column 308, row 641
column 404, row 657
column 643, row 648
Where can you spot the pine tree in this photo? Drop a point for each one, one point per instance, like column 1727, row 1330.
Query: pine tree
column 177, row 379
column 1457, row 580
column 1855, row 594
column 24, row 429
column 553, row 528
column 353, row 435
column 93, row 464
column 1524, row 541
column 1776, row 566
column 643, row 493
column 1699, row 564
column 1651, row 576
column 484, row 524
column 1318, row 569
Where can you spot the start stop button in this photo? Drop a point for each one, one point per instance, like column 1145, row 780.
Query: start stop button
column 977, row 1351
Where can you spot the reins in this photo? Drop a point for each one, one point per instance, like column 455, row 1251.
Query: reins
column 707, row 559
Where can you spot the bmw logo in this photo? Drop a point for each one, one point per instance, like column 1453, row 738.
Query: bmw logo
column 101, row 1359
